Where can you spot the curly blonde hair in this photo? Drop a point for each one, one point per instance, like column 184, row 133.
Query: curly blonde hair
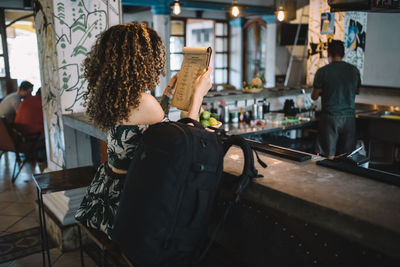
column 126, row 60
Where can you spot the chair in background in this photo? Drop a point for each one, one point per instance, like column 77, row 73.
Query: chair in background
column 12, row 140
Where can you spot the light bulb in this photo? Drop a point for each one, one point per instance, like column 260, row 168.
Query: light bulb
column 281, row 15
column 177, row 8
column 235, row 11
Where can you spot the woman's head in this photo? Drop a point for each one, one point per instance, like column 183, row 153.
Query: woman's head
column 126, row 60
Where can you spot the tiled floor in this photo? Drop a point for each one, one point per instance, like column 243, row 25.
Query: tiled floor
column 17, row 213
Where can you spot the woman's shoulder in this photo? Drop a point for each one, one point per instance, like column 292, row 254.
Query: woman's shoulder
column 147, row 100
column 149, row 111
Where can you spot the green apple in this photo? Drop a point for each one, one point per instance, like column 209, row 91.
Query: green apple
column 205, row 115
column 205, row 123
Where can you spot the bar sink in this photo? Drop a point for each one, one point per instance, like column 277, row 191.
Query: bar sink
column 390, row 115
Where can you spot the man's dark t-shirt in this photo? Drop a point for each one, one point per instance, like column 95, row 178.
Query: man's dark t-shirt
column 338, row 82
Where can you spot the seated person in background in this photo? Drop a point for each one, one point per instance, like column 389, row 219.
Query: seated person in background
column 124, row 63
column 9, row 105
column 29, row 117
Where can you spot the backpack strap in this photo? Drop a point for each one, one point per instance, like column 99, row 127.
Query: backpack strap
column 249, row 172
column 189, row 120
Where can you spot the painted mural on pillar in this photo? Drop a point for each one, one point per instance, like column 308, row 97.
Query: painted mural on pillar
column 78, row 24
column 318, row 36
column 355, row 25
column 66, row 31
column 50, row 84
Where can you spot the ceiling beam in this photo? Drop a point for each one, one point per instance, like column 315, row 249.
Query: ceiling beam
column 202, row 5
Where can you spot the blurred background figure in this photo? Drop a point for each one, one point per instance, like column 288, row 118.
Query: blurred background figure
column 9, row 105
column 337, row 83
column 29, row 117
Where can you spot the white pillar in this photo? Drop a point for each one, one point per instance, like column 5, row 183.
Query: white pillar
column 162, row 25
column 236, row 53
column 270, row 40
column 66, row 32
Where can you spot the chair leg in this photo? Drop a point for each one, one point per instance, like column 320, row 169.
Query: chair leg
column 46, row 238
column 103, row 258
column 15, row 175
column 80, row 245
column 15, row 165
column 41, row 228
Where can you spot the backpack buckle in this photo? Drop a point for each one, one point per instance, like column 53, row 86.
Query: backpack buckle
column 198, row 167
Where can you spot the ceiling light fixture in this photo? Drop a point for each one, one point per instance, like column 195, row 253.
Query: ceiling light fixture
column 176, row 7
column 280, row 14
column 235, row 9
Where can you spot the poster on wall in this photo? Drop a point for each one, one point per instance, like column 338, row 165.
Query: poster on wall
column 317, row 38
column 355, row 25
column 328, row 23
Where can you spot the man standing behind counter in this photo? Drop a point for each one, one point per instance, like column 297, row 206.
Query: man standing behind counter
column 337, row 83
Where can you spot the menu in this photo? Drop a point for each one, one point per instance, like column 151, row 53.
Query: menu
column 195, row 61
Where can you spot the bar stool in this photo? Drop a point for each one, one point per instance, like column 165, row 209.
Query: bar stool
column 106, row 246
column 57, row 181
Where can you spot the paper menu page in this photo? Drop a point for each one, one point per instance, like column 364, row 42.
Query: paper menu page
column 195, row 61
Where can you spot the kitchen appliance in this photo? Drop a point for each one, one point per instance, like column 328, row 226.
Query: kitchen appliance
column 288, row 108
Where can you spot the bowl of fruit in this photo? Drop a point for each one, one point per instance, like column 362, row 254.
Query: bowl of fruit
column 209, row 119
column 254, row 86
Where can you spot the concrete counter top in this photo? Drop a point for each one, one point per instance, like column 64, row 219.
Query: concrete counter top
column 81, row 122
column 360, row 209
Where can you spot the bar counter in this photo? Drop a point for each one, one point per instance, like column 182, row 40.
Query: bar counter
column 357, row 208
column 81, row 122
column 234, row 95
column 245, row 129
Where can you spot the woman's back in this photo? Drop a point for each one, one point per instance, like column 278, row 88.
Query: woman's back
column 124, row 63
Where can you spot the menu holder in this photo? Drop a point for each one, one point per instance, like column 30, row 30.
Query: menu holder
column 195, row 62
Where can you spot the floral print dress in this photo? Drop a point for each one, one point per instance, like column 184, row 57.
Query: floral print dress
column 101, row 201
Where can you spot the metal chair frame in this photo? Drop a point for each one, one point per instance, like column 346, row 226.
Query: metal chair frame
column 57, row 181
column 15, row 141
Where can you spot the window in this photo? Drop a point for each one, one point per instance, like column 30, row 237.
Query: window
column 254, row 49
column 177, row 41
column 2, row 66
column 23, row 58
column 221, row 66
column 201, row 32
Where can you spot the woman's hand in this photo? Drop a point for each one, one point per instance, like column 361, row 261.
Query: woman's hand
column 203, row 84
column 170, row 89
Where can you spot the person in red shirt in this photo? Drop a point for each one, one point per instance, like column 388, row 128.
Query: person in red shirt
column 29, row 117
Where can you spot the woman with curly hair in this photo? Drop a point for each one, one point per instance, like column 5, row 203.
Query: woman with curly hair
column 124, row 63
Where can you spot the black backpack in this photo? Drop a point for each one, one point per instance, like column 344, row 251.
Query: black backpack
column 170, row 191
